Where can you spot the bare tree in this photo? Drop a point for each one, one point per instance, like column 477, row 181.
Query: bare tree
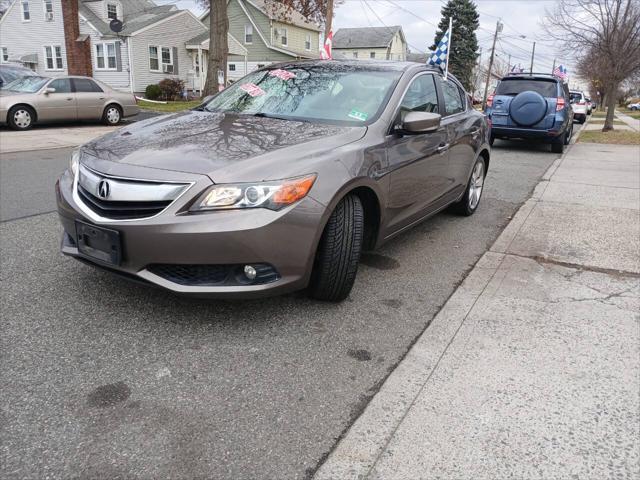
column 313, row 10
column 605, row 32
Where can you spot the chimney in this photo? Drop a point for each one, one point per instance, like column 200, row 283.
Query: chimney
column 78, row 48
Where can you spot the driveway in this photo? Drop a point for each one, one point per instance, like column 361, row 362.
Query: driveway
column 107, row 379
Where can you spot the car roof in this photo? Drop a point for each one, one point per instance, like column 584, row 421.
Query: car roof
column 527, row 76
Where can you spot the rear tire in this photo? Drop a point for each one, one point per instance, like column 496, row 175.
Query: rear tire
column 112, row 115
column 338, row 254
column 557, row 147
column 21, row 117
column 468, row 204
column 568, row 135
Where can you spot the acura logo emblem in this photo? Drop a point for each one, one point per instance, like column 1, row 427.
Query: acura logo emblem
column 104, row 189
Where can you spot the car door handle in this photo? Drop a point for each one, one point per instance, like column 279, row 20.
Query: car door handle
column 101, row 98
column 69, row 99
column 443, row 148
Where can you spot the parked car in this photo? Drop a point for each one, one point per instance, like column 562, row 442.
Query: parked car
column 279, row 181
column 34, row 99
column 634, row 106
column 10, row 72
column 580, row 106
column 589, row 106
column 531, row 106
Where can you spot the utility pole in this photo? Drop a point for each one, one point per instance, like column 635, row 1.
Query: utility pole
column 509, row 65
column 533, row 53
column 493, row 51
column 328, row 23
column 553, row 69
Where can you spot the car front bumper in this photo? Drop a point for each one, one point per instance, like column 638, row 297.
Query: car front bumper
column 284, row 239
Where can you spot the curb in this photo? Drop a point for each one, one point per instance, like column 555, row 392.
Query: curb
column 357, row 452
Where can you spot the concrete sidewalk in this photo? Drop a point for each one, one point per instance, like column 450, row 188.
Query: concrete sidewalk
column 630, row 121
column 531, row 369
column 45, row 137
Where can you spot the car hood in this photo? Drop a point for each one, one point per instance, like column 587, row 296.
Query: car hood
column 227, row 147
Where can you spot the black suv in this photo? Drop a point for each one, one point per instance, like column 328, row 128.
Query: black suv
column 532, row 106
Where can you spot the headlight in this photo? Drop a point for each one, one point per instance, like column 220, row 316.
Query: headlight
column 273, row 195
column 74, row 163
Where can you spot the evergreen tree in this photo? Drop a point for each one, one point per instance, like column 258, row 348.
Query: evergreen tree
column 463, row 54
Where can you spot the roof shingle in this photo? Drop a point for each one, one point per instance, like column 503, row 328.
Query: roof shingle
column 365, row 37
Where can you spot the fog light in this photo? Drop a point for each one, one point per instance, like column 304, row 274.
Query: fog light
column 250, row 272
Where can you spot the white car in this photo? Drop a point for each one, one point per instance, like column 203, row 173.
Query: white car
column 579, row 105
column 634, row 106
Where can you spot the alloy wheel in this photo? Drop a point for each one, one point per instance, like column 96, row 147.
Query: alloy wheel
column 22, row 118
column 476, row 184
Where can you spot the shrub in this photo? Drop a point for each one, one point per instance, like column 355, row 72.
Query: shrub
column 171, row 88
column 152, row 92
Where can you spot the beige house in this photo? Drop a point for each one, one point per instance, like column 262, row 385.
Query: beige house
column 381, row 43
column 267, row 34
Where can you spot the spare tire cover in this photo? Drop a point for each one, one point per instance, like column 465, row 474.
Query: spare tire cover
column 528, row 108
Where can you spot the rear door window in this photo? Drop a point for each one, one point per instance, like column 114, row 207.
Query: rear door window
column 576, row 97
column 514, row 86
column 86, row 85
column 453, row 101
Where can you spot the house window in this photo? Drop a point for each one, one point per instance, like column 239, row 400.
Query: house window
column 355, row 54
column 283, row 36
column 26, row 14
column 112, row 11
column 248, row 34
column 160, row 59
column 372, row 54
column 307, row 42
column 5, row 54
column 53, row 57
column 232, row 67
column 48, row 10
column 106, row 56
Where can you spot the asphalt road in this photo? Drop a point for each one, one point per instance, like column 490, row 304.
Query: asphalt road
column 106, row 379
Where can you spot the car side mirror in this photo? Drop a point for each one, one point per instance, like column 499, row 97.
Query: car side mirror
column 415, row 123
column 49, row 90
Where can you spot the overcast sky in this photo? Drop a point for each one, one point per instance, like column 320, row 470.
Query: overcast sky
column 419, row 18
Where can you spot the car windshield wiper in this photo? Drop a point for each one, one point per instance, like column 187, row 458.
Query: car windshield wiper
column 269, row 115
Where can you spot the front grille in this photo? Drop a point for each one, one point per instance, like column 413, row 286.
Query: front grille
column 214, row 275
column 119, row 210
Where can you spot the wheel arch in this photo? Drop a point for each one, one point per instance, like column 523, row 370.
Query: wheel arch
column 23, row 104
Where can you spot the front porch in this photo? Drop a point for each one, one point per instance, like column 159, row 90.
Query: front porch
column 198, row 49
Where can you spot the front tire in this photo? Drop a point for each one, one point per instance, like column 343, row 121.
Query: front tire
column 338, row 254
column 112, row 115
column 468, row 204
column 21, row 117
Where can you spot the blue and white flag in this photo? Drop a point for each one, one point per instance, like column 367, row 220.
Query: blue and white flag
column 441, row 55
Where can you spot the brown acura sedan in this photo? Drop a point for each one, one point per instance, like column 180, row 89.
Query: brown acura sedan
column 278, row 182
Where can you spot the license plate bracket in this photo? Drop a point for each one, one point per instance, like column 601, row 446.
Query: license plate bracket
column 99, row 243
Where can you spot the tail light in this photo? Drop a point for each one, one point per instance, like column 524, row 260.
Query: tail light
column 559, row 103
column 490, row 100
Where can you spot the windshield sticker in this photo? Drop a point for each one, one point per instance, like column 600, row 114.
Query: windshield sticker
column 358, row 115
column 282, row 74
column 252, row 89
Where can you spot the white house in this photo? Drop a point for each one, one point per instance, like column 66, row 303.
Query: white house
column 59, row 37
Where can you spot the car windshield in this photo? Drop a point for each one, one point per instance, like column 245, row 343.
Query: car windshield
column 514, row 86
column 334, row 93
column 26, row 84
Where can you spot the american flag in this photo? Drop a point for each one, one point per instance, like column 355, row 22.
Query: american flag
column 325, row 51
column 561, row 72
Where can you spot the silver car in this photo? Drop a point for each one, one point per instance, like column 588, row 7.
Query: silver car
column 28, row 100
